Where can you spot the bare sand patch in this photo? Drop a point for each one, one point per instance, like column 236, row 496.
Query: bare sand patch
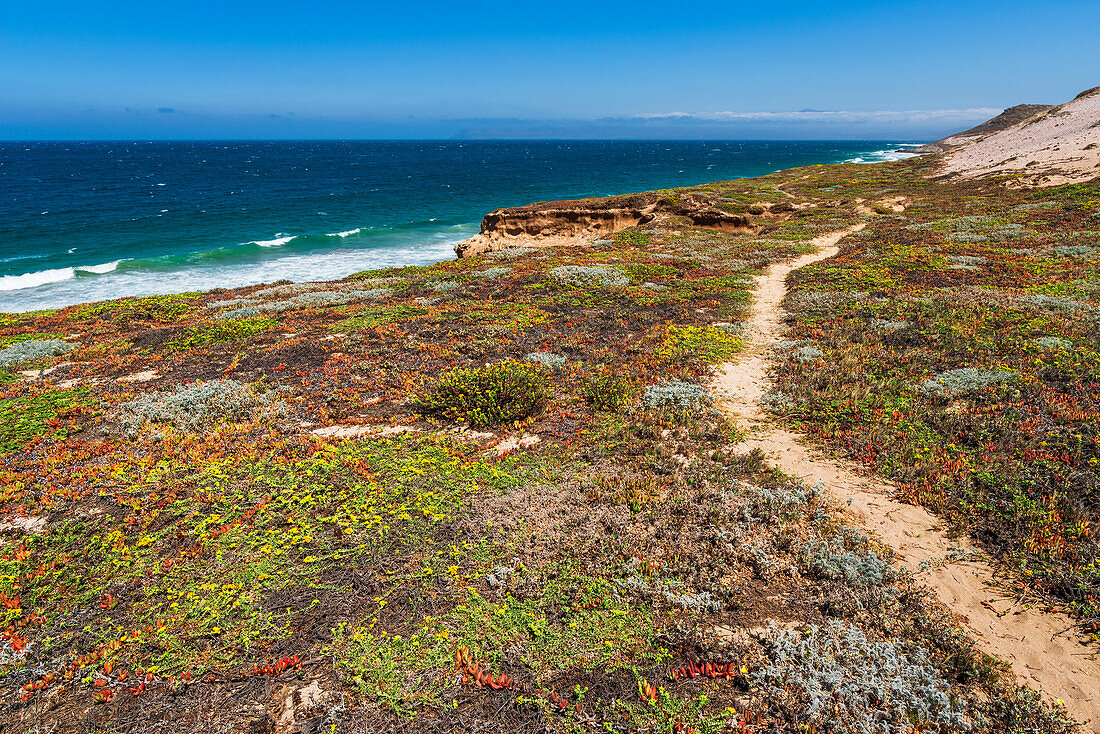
column 1056, row 147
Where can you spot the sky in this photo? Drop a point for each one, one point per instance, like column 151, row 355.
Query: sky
column 795, row 70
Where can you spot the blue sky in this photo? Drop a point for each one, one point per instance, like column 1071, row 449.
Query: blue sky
column 198, row 69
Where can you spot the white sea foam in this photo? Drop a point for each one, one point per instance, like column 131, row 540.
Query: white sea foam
column 53, row 275
column 347, row 233
column 31, row 280
column 99, row 269
column 879, row 156
column 16, row 258
column 279, row 239
column 61, row 288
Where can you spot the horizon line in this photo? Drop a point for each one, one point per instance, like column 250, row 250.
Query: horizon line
column 897, row 141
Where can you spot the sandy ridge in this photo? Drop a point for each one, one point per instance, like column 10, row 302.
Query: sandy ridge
column 1039, row 645
column 1056, row 147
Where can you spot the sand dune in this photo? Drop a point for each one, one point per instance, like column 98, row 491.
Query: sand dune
column 1055, row 147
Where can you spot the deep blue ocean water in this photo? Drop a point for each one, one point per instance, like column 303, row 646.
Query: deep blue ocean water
column 91, row 221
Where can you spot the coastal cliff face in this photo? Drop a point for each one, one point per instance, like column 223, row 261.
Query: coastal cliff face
column 571, row 222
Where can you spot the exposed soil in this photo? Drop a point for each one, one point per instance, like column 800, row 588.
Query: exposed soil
column 1039, row 644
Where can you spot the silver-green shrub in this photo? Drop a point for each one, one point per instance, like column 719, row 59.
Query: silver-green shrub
column 966, row 261
column 30, row 349
column 1053, row 302
column 777, row 402
column 1053, row 342
column 551, row 360
column 282, row 291
column 771, row 505
column 963, row 381
column 232, row 303
column 856, row 685
column 847, row 556
column 967, row 237
column 499, row 575
column 244, row 312
column 1083, row 252
column 189, row 407
column 1011, row 231
column 788, row 344
column 807, row 354
column 509, row 253
column 319, row 299
column 889, row 325
column 701, row 602
column 828, row 299
column 674, row 394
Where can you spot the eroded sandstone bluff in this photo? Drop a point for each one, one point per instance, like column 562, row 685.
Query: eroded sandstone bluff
column 566, row 222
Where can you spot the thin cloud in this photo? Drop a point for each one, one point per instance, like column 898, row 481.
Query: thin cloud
column 852, row 116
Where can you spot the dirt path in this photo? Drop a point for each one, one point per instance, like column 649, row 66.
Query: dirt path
column 1041, row 649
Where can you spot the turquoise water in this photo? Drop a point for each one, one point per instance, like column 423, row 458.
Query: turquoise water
column 90, row 221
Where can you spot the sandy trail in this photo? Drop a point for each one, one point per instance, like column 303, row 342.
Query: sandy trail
column 1041, row 648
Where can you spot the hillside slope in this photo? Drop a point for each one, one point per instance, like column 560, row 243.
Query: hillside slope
column 1057, row 146
column 1011, row 116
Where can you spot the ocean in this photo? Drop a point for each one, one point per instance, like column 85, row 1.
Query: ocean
column 92, row 221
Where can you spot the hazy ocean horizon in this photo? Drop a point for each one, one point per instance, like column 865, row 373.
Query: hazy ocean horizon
column 93, row 221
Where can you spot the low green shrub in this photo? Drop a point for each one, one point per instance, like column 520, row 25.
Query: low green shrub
column 641, row 272
column 499, row 393
column 699, row 344
column 161, row 309
column 595, row 276
column 230, row 330
column 631, row 238
column 378, row 315
column 22, row 418
column 608, row 391
column 7, row 341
